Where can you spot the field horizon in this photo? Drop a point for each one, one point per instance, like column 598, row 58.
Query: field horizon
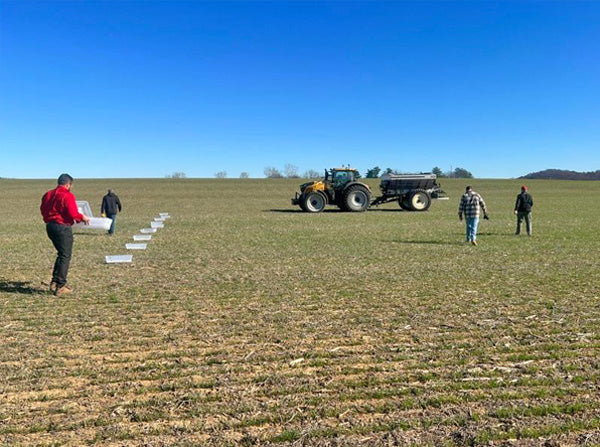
column 247, row 322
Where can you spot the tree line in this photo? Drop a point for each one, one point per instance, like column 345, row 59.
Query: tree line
column 291, row 171
column 454, row 173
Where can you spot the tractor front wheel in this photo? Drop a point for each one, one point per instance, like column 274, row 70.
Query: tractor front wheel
column 420, row 200
column 356, row 198
column 314, row 202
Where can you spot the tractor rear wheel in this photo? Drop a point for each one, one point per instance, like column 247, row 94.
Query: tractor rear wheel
column 314, row 202
column 356, row 198
column 420, row 200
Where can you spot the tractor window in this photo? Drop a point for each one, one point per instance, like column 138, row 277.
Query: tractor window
column 342, row 176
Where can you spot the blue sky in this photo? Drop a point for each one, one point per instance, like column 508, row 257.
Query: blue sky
column 144, row 89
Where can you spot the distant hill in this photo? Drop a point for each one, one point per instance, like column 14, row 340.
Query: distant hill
column 562, row 174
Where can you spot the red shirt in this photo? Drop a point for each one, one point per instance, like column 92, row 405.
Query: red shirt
column 58, row 205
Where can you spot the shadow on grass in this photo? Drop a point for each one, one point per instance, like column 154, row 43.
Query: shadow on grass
column 299, row 211
column 18, row 287
column 426, row 242
column 387, row 210
column 491, row 233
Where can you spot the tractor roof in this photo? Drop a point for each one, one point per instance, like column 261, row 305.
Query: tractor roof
column 344, row 169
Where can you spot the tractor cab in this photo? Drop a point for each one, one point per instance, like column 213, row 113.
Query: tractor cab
column 340, row 176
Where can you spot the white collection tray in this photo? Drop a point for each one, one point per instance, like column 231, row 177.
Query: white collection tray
column 117, row 259
column 136, row 246
column 142, row 237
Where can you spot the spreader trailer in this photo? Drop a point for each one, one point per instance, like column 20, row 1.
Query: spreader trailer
column 413, row 192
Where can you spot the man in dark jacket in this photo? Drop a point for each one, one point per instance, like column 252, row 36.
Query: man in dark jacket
column 111, row 205
column 59, row 211
column 523, row 210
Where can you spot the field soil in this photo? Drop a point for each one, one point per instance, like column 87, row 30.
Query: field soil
column 249, row 323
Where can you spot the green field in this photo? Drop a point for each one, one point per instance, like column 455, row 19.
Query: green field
column 249, row 323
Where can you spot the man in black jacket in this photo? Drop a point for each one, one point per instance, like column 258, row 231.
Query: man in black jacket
column 523, row 210
column 111, row 205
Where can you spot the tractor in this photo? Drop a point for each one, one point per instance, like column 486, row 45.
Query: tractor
column 413, row 192
column 340, row 187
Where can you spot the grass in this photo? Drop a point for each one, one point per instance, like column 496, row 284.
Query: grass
column 249, row 323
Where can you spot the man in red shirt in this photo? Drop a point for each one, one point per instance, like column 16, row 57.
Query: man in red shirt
column 59, row 211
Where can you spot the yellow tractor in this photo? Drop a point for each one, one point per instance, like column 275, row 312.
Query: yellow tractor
column 340, row 187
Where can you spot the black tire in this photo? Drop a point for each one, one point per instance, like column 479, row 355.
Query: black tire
column 420, row 200
column 404, row 203
column 314, row 202
column 357, row 198
column 301, row 203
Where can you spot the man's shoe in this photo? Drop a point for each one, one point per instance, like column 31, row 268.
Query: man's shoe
column 474, row 243
column 52, row 288
column 64, row 290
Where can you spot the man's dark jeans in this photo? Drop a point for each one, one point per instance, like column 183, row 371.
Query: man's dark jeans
column 62, row 238
column 112, row 225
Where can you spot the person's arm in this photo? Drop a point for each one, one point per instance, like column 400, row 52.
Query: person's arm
column 461, row 208
column 483, row 207
column 530, row 201
column 71, row 206
column 517, row 203
column 103, row 206
column 43, row 204
column 119, row 203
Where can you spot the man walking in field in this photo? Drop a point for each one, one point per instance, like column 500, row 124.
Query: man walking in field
column 59, row 211
column 523, row 207
column 470, row 205
column 111, row 205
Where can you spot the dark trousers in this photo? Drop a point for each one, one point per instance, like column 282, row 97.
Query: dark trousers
column 62, row 238
column 112, row 225
column 524, row 216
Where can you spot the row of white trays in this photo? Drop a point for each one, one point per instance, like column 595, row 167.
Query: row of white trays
column 158, row 222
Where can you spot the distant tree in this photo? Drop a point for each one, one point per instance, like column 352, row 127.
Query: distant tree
column 221, row 174
column 462, row 173
column 291, row 171
column 176, row 175
column 311, row 173
column 244, row 175
column 373, row 172
column 390, row 171
column 271, row 172
column 437, row 171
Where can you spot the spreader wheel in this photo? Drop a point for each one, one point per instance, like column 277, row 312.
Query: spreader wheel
column 420, row 200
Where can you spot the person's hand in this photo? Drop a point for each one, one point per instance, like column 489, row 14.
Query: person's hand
column 516, row 212
column 86, row 219
column 103, row 214
column 486, row 216
column 460, row 217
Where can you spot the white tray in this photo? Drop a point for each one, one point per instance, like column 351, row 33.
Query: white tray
column 136, row 246
column 96, row 223
column 157, row 224
column 148, row 230
column 117, row 259
column 142, row 237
